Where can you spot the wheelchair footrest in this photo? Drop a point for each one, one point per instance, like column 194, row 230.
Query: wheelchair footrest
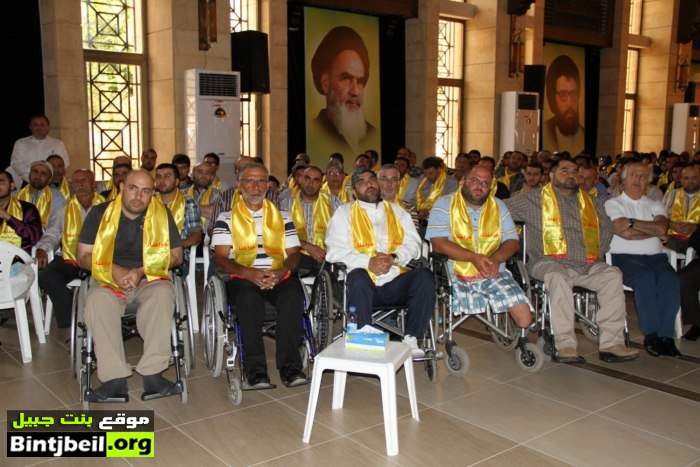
column 172, row 390
column 93, row 397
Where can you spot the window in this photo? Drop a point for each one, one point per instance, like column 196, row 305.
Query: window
column 112, row 33
column 630, row 99
column 244, row 17
column 450, row 62
column 635, row 26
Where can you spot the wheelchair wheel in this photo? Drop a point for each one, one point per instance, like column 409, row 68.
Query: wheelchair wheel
column 457, row 361
column 214, row 332
column 529, row 357
column 304, row 354
column 322, row 310
column 76, row 328
column 183, row 326
column 505, row 323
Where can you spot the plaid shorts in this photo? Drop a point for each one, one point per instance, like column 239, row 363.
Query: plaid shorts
column 501, row 292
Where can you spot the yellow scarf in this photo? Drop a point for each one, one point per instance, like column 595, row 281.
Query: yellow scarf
column 463, row 234
column 43, row 202
column 426, row 204
column 217, row 183
column 663, row 180
column 507, row 178
column 72, row 224
column 245, row 238
column 64, row 188
column 156, row 243
column 205, row 199
column 7, row 233
column 403, row 187
column 321, row 216
column 362, row 230
column 553, row 238
column 343, row 193
column 177, row 209
column 679, row 214
column 593, row 192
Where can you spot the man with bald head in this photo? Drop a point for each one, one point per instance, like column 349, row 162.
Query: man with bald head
column 64, row 267
column 129, row 244
column 475, row 231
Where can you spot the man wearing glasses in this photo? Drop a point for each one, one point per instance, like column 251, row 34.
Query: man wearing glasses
column 563, row 132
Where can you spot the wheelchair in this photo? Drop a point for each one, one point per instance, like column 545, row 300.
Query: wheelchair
column 504, row 333
column 223, row 346
column 393, row 318
column 323, row 309
column 83, row 360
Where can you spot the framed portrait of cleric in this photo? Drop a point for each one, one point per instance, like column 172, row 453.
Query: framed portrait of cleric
column 342, row 84
column 564, row 98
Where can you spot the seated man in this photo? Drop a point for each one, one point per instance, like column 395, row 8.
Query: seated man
column 182, row 162
column 259, row 256
column 130, row 244
column 567, row 235
column 311, row 211
column 212, row 161
column 20, row 222
column 390, row 181
column 501, row 189
column 376, row 240
column 512, row 176
column 476, row 232
column 639, row 223
column 683, row 206
column 120, row 170
column 203, row 191
column 50, row 203
column 406, row 194
column 59, row 180
column 183, row 208
column 293, row 185
column 64, row 267
column 435, row 183
column 149, row 157
column 335, row 184
column 532, row 177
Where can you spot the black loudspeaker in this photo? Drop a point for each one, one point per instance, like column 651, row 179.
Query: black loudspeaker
column 533, row 80
column 690, row 93
column 249, row 56
column 688, row 19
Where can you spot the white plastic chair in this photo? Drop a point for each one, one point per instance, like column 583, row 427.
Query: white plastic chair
column 14, row 292
column 384, row 364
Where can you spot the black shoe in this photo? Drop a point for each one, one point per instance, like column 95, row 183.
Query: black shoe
column 693, row 333
column 293, row 378
column 652, row 344
column 156, row 386
column 114, row 390
column 668, row 347
column 257, row 382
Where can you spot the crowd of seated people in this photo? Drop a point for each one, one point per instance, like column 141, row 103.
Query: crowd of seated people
column 132, row 228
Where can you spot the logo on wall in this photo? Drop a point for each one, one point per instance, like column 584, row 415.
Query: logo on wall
column 564, row 109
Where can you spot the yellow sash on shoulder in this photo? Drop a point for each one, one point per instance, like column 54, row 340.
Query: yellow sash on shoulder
column 72, row 224
column 205, row 199
column 362, row 230
column 156, row 243
column 217, row 183
column 403, row 187
column 343, row 193
column 679, row 214
column 489, row 233
column 7, row 233
column 245, row 238
column 43, row 202
column 177, row 209
column 424, row 203
column 553, row 238
column 64, row 188
column 321, row 216
column 507, row 178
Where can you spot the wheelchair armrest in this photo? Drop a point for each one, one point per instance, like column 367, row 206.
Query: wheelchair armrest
column 83, row 274
column 438, row 257
column 338, row 267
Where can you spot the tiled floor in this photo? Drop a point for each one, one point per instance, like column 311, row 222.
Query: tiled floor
column 497, row 415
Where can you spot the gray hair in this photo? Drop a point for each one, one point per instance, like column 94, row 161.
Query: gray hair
column 357, row 173
column 251, row 165
column 625, row 170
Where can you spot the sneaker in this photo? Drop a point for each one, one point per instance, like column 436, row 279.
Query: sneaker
column 412, row 343
column 293, row 378
column 618, row 353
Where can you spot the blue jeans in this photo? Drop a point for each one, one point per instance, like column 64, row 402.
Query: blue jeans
column 657, row 291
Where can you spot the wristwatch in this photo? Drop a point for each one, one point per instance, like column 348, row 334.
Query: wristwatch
column 631, row 224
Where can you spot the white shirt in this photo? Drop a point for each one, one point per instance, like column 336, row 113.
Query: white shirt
column 643, row 209
column 30, row 149
column 339, row 247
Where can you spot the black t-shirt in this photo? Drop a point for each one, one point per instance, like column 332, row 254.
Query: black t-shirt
column 128, row 247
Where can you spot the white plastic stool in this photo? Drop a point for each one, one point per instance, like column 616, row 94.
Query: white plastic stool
column 383, row 364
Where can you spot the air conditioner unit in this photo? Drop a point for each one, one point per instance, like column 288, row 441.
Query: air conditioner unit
column 685, row 130
column 213, row 117
column 520, row 122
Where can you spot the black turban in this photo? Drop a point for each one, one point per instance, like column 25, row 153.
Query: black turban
column 336, row 41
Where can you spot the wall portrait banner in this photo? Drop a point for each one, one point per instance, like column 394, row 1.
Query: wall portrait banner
column 564, row 103
column 342, row 84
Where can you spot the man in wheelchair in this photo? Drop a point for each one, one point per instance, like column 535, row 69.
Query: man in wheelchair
column 568, row 233
column 476, row 232
column 257, row 247
column 376, row 239
column 311, row 210
column 129, row 245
